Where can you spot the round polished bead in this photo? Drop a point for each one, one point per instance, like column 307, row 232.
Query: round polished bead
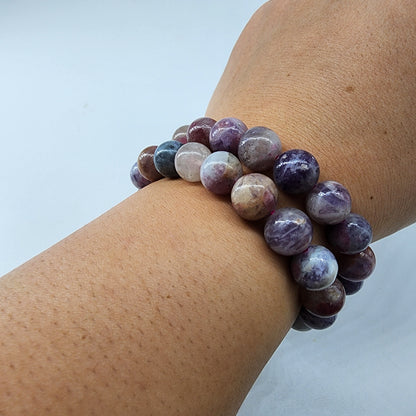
column 328, row 202
column 296, row 171
column 254, row 196
column 226, row 135
column 358, row 266
column 316, row 322
column 188, row 160
column 199, row 130
column 325, row 302
column 299, row 325
column 350, row 287
column 350, row 236
column 165, row 158
column 259, row 148
column 220, row 171
column 314, row 269
column 146, row 164
column 288, row 231
column 180, row 134
column 139, row 181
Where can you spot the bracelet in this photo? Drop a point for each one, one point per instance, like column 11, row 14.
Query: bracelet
column 248, row 164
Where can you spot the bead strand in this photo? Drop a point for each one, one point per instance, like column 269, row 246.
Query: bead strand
column 230, row 159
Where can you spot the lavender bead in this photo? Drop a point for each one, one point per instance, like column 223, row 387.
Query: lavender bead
column 350, row 236
column 188, row 160
column 199, row 130
column 328, row 203
column 299, row 325
column 164, row 158
column 139, row 181
column 325, row 302
column 180, row 134
column 316, row 322
column 220, row 171
column 356, row 267
column 259, row 148
column 146, row 164
column 254, row 196
column 350, row 287
column 314, row 269
column 226, row 135
column 288, row 231
column 296, row 171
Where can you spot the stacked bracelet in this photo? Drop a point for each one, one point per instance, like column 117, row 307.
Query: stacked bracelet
column 220, row 153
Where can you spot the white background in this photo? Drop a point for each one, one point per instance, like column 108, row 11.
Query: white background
column 85, row 85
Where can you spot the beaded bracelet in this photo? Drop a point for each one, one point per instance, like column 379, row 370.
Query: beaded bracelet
column 220, row 153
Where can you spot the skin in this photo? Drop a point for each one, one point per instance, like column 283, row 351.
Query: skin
column 170, row 314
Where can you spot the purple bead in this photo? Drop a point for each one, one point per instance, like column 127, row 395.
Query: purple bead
column 220, row 171
column 226, row 135
column 350, row 287
column 259, row 148
column 139, row 181
column 325, row 302
column 199, row 130
column 180, row 134
column 316, row 322
column 288, row 231
column 296, row 171
column 314, row 269
column 164, row 158
column 357, row 267
column 350, row 236
column 328, row 203
column 299, row 325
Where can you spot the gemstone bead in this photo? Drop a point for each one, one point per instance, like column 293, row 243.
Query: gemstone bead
column 325, row 302
column 220, row 171
column 226, row 135
column 139, row 181
column 316, row 322
column 288, row 231
column 180, row 134
column 296, row 171
column 358, row 266
column 165, row 158
column 254, row 196
column 328, row 203
column 146, row 164
column 188, row 160
column 199, row 130
column 259, row 148
column 350, row 287
column 299, row 325
column 314, row 269
column 350, row 236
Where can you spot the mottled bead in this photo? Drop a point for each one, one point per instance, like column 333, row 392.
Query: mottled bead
column 316, row 322
column 259, row 148
column 199, row 130
column 138, row 180
column 188, row 160
column 254, row 196
column 350, row 236
column 226, row 135
column 220, row 171
column 299, row 325
column 350, row 287
column 296, row 171
column 357, row 266
column 328, row 202
column 180, row 134
column 325, row 302
column 314, row 269
column 288, row 231
column 165, row 158
column 146, row 164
